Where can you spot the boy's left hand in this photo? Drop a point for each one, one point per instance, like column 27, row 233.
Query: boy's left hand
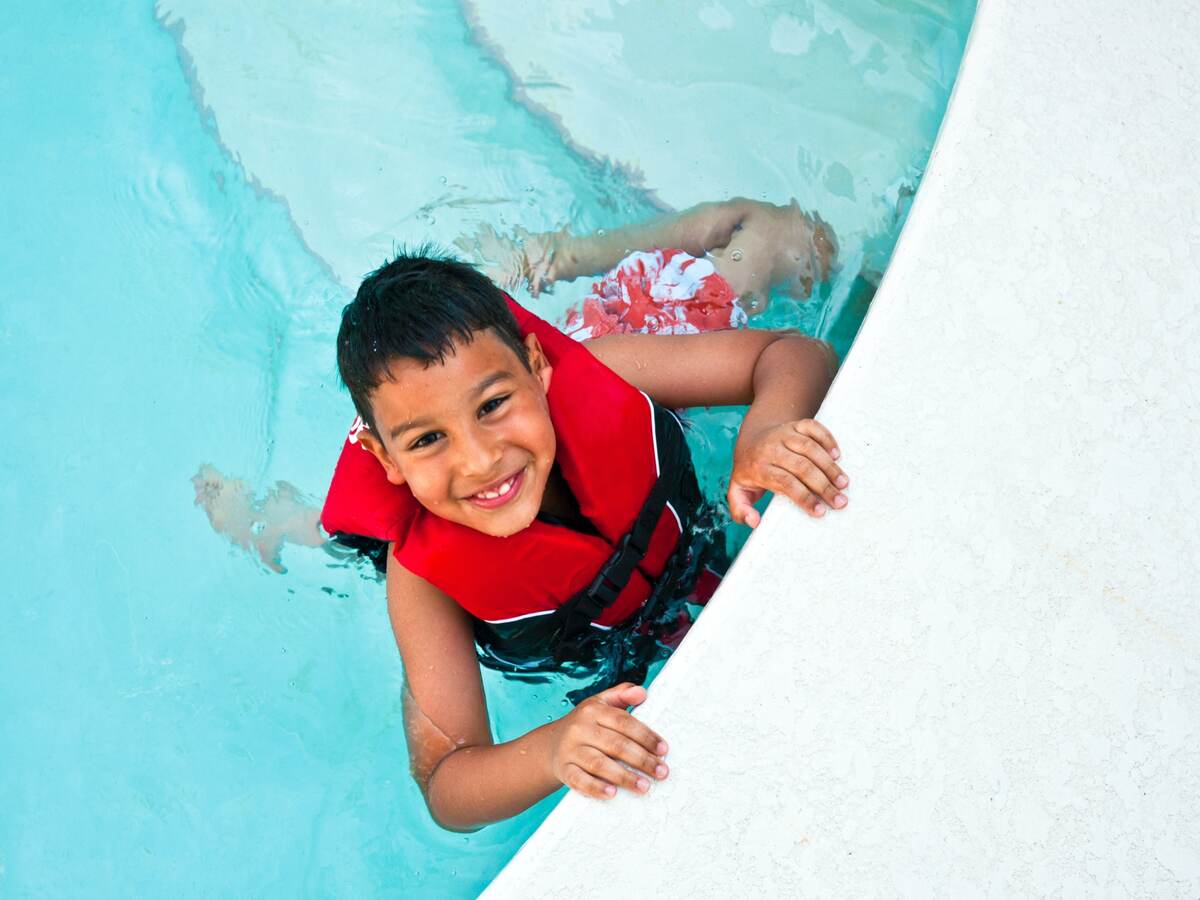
column 796, row 459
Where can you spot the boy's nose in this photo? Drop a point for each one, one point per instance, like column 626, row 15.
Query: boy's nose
column 479, row 457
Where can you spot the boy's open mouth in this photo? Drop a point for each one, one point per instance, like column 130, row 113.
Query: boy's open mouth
column 500, row 493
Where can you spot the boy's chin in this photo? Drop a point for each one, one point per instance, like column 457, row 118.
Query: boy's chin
column 505, row 522
column 496, row 530
column 502, row 526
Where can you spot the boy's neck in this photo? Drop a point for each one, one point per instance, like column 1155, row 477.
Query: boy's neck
column 557, row 499
column 560, row 506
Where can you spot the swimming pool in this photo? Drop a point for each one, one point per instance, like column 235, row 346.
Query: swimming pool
column 189, row 193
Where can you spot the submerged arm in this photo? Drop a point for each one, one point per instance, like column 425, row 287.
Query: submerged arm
column 265, row 524
column 469, row 781
column 696, row 231
column 541, row 259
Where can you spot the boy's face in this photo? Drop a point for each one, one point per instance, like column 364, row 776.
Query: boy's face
column 471, row 437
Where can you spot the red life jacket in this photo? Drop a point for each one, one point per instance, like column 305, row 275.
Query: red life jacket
column 610, row 438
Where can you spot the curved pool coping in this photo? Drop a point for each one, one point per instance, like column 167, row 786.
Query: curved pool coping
column 981, row 677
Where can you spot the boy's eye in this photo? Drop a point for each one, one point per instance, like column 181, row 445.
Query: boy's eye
column 424, row 440
column 493, row 404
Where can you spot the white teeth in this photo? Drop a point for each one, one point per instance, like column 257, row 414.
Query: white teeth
column 499, row 492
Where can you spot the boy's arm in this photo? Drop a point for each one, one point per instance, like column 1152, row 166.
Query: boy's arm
column 468, row 781
column 696, row 231
column 783, row 376
column 541, row 259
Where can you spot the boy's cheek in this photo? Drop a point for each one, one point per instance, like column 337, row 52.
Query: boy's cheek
column 429, row 495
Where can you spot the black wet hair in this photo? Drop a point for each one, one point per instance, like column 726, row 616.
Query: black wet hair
column 416, row 307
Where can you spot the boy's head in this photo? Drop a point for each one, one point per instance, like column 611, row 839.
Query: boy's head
column 453, row 398
column 806, row 250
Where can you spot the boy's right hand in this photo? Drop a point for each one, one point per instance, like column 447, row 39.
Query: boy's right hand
column 510, row 261
column 591, row 742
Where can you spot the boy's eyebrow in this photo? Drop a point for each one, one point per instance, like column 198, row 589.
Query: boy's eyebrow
column 408, row 426
column 490, row 380
column 479, row 389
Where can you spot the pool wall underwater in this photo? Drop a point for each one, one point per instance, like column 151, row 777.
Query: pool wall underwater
column 984, row 678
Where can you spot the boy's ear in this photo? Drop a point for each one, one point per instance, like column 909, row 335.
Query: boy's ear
column 374, row 445
column 538, row 363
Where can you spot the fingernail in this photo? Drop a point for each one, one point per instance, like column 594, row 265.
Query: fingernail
column 661, row 749
column 819, row 509
column 842, row 481
column 839, row 501
column 609, row 790
column 660, row 771
column 643, row 785
column 835, row 453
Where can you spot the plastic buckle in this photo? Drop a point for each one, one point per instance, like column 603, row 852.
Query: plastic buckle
column 600, row 594
column 587, row 605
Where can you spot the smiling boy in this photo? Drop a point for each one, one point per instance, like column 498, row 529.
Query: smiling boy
column 506, row 466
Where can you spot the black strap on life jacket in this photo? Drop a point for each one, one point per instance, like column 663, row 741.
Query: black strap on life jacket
column 584, row 607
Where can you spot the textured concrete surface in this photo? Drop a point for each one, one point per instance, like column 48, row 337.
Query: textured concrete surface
column 983, row 677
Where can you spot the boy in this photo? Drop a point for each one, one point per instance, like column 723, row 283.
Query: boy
column 486, row 434
column 749, row 250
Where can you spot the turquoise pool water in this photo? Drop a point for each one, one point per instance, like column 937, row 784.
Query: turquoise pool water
column 188, row 197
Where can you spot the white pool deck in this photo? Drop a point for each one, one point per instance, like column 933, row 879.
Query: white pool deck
column 983, row 677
